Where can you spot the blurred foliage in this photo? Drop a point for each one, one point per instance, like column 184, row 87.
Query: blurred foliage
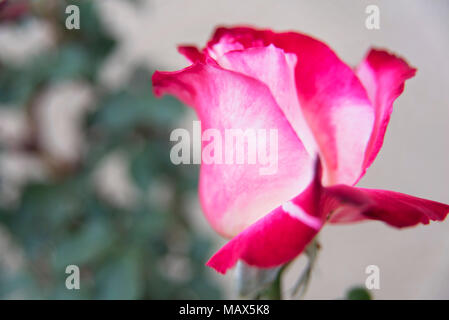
column 122, row 253
column 358, row 293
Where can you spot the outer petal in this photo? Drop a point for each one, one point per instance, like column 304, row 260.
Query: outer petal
column 394, row 208
column 272, row 241
column 331, row 97
column 191, row 53
column 383, row 76
column 285, row 232
column 234, row 196
column 279, row 236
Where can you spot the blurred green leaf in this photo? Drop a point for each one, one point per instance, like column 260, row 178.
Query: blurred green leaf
column 120, row 279
column 20, row 285
column 88, row 244
column 124, row 111
column 122, row 252
column 358, row 293
column 71, row 62
column 14, row 89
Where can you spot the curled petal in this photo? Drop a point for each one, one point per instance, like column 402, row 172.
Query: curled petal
column 191, row 53
column 284, row 233
column 383, row 76
column 272, row 241
column 396, row 209
column 279, row 236
column 234, row 195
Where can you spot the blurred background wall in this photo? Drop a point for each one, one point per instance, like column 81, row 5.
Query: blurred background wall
column 76, row 115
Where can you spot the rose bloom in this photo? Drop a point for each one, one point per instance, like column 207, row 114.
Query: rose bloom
column 331, row 121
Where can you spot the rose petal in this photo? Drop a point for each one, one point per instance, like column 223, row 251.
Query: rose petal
column 191, row 53
column 234, row 196
column 383, row 76
column 279, row 236
column 285, row 232
column 394, row 208
column 274, row 240
column 332, row 99
column 276, row 69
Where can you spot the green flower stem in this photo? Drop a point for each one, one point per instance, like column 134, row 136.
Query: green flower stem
column 275, row 290
column 302, row 284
